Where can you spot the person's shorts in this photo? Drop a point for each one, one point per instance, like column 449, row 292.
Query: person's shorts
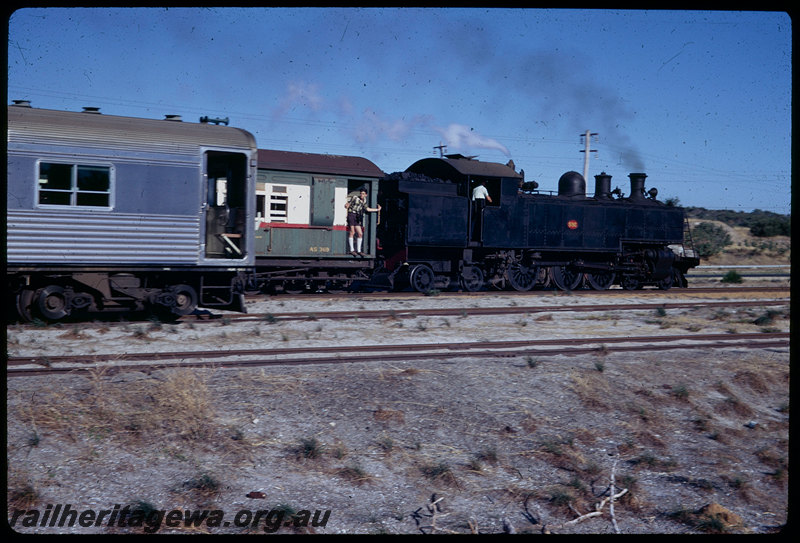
column 354, row 220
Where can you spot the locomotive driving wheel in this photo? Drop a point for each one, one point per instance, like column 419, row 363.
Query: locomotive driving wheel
column 565, row 277
column 471, row 279
column 521, row 277
column 421, row 278
column 600, row 280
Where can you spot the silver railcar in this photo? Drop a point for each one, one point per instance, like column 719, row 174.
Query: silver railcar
column 112, row 213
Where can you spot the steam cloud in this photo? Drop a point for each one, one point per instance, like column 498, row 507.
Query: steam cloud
column 553, row 87
column 370, row 126
column 463, row 138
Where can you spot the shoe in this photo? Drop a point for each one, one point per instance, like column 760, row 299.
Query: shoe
column 361, row 254
column 353, row 253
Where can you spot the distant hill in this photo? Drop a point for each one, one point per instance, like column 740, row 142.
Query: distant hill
column 752, row 238
column 760, row 223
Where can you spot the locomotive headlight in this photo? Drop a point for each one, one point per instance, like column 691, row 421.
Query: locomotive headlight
column 572, row 224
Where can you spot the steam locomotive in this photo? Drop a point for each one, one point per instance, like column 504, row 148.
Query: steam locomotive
column 108, row 213
column 434, row 235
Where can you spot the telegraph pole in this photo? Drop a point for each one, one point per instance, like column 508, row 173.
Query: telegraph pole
column 586, row 150
column 442, row 149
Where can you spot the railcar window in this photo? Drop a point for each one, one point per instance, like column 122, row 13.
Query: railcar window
column 74, row 185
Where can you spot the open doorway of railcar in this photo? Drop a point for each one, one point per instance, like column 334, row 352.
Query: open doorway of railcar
column 226, row 205
column 354, row 187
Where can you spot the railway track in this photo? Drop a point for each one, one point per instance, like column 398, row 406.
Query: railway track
column 476, row 311
column 388, row 313
column 202, row 316
column 726, row 290
column 29, row 366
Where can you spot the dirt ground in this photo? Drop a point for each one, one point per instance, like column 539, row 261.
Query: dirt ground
column 697, row 441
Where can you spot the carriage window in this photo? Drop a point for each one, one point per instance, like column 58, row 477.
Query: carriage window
column 74, row 185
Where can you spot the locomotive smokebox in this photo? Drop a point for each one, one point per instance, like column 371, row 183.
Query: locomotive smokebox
column 572, row 185
column 602, row 186
column 637, row 186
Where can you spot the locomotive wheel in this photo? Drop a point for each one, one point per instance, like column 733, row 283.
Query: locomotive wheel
column 294, row 286
column 25, row 305
column 678, row 279
column 630, row 282
column 565, row 278
column 666, row 283
column 471, row 279
column 421, row 278
column 521, row 278
column 600, row 280
column 336, row 286
column 51, row 303
column 185, row 299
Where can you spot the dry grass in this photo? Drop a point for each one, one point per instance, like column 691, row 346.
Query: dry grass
column 593, row 389
column 176, row 405
column 388, row 416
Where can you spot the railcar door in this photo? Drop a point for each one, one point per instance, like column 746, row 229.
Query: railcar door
column 226, row 205
column 323, row 204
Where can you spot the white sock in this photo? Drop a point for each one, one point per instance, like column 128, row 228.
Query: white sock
column 350, row 244
column 358, row 245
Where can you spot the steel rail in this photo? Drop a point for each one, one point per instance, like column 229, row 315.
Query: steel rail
column 385, row 353
column 440, row 312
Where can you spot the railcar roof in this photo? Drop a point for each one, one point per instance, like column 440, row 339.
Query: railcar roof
column 28, row 123
column 447, row 168
column 291, row 161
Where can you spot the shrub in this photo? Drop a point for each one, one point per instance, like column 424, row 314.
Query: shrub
column 772, row 226
column 709, row 239
column 732, row 277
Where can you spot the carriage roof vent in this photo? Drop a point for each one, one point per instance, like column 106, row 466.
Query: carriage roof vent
column 176, row 118
column 22, row 103
column 206, row 120
column 91, row 109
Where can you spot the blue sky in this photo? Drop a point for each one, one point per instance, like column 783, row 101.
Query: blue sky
column 699, row 100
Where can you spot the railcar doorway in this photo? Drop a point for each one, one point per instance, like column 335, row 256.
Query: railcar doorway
column 226, row 205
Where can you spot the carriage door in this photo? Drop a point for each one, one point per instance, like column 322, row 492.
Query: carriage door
column 322, row 201
column 226, row 205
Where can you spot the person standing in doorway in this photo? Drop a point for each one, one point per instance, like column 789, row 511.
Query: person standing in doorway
column 356, row 206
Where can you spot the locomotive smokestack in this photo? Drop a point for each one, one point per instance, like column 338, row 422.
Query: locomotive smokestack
column 637, row 186
column 602, row 186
